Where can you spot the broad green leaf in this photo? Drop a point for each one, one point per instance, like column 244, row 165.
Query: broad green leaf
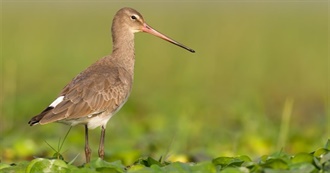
column 276, row 164
column 245, row 158
column 102, row 165
column 152, row 161
column 143, row 169
column 136, row 167
column 203, row 167
column 46, row 165
column 247, row 161
column 15, row 168
column 74, row 169
column 302, row 157
column 263, row 158
column 149, row 161
column 231, row 170
column 156, row 168
column 268, row 170
column 108, row 170
column 255, row 168
column 227, row 161
column 177, row 167
column 280, row 155
column 319, row 152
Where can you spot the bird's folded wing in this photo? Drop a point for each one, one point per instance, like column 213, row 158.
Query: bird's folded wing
column 93, row 95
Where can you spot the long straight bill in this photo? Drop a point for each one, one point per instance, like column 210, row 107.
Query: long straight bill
column 146, row 28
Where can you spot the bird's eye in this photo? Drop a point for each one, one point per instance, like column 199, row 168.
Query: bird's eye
column 133, row 17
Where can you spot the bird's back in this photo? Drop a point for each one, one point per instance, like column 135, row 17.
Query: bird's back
column 100, row 90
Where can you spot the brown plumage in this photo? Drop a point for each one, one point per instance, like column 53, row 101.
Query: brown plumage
column 99, row 91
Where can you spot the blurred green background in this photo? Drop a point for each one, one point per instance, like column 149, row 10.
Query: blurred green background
column 258, row 82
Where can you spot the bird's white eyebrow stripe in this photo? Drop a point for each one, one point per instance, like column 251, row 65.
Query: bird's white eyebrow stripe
column 57, row 101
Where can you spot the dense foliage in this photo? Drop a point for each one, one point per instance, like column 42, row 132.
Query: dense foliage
column 317, row 161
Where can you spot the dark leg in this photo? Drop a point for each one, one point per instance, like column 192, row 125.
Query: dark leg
column 88, row 150
column 101, row 147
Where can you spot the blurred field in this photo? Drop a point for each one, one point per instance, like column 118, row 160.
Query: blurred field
column 258, row 82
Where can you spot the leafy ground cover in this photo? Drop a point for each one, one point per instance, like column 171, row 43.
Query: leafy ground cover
column 317, row 161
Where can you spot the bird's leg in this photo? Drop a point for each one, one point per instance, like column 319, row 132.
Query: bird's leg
column 87, row 148
column 101, row 147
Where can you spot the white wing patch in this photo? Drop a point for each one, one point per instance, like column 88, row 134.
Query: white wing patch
column 56, row 102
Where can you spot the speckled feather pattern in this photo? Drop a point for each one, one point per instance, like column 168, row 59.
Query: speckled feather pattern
column 98, row 91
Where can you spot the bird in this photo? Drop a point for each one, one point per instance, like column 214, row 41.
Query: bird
column 98, row 92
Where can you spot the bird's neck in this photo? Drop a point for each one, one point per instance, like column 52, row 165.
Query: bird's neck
column 123, row 51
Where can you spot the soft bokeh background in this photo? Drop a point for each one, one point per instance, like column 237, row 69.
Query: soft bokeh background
column 258, row 82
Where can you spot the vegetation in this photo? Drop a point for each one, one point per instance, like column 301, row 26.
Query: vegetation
column 257, row 84
column 316, row 161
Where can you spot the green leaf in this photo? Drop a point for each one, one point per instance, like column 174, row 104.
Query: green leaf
column 156, row 169
column 319, row 152
column 245, row 158
column 46, row 165
column 276, row 164
column 263, row 158
column 231, row 170
column 280, row 155
column 149, row 161
column 268, row 170
column 152, row 161
column 136, row 168
column 302, row 157
column 204, row 167
column 255, row 168
column 327, row 145
column 177, row 167
column 75, row 169
column 104, row 166
column 16, row 168
column 227, row 161
column 142, row 169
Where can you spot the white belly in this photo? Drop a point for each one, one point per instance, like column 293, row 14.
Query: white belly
column 99, row 120
column 92, row 121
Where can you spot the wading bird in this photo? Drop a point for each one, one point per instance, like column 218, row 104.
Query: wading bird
column 98, row 92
